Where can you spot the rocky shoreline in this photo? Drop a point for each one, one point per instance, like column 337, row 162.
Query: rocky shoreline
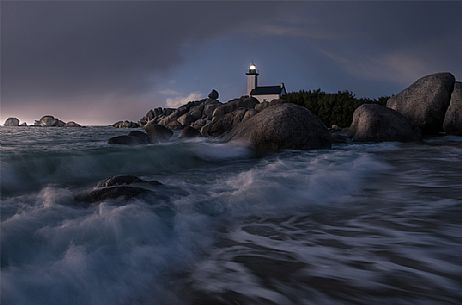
column 430, row 106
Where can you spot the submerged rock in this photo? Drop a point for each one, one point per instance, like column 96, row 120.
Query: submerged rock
column 283, row 126
column 453, row 117
column 125, row 180
column 140, row 136
column 113, row 192
column 425, row 102
column 376, row 123
column 122, row 187
column 11, row 122
column 133, row 138
column 157, row 133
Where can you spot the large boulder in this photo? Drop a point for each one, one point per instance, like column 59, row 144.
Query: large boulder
column 425, row 102
column 453, row 118
column 284, row 126
column 50, row 121
column 376, row 123
column 213, row 95
column 157, row 133
column 11, row 122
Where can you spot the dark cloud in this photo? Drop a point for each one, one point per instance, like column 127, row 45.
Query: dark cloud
column 99, row 61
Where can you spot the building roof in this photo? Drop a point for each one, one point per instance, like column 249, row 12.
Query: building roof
column 263, row 90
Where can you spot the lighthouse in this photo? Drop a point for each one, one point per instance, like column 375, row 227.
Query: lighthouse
column 262, row 93
column 252, row 76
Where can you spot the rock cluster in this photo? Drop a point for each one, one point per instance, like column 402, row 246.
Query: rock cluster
column 125, row 124
column 271, row 126
column 51, row 121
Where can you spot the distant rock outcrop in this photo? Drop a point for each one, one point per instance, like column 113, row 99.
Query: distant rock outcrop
column 425, row 102
column 282, row 126
column 125, row 124
column 49, row 121
column 376, row 123
column 11, row 122
column 453, row 118
column 72, row 124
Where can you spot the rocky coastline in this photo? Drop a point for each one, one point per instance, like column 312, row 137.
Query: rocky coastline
column 432, row 105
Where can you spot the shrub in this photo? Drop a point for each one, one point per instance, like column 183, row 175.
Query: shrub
column 331, row 108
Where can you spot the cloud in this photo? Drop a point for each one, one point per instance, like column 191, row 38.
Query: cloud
column 181, row 100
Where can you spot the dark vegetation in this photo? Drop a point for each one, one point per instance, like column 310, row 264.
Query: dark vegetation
column 332, row 108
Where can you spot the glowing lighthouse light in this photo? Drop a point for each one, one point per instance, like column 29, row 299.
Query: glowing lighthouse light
column 252, row 67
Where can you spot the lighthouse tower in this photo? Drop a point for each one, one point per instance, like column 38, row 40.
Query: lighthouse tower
column 251, row 78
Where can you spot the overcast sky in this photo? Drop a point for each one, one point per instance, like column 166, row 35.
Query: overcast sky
column 96, row 62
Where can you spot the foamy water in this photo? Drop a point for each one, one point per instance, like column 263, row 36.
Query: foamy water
column 358, row 224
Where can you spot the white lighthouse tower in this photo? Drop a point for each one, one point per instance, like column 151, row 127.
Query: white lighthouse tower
column 251, row 78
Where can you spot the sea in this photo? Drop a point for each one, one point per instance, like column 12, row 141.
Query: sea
column 355, row 224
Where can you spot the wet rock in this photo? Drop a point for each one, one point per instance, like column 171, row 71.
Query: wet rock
column 213, row 95
column 453, row 117
column 122, row 140
column 140, row 136
column 189, row 132
column 113, row 192
column 11, row 122
column 23, row 124
column 376, row 123
column 284, row 126
column 425, row 102
column 341, row 136
column 157, row 133
column 125, row 180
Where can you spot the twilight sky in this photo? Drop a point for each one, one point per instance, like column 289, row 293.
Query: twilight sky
column 97, row 62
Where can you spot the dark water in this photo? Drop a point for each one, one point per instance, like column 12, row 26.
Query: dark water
column 358, row 224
